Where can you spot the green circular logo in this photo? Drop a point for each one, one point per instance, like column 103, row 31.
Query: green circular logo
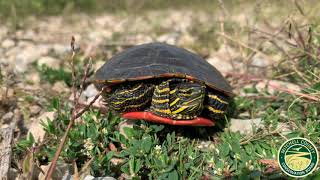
column 298, row 157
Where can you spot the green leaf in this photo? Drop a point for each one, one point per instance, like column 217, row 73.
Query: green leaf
column 119, row 137
column 146, row 143
column 123, row 154
column 114, row 119
column 55, row 103
column 131, row 165
column 187, row 165
column 168, row 139
column 92, row 132
column 244, row 157
column 293, row 134
column 137, row 166
column 236, row 147
column 250, row 90
column 158, row 163
column 219, row 164
column 130, row 132
column 134, row 165
column 264, row 145
column 171, row 166
column 259, row 150
column 316, row 86
column 249, row 149
column 125, row 168
column 173, row 175
column 224, row 149
column 135, row 149
column 107, row 157
column 31, row 138
column 157, row 128
column 28, row 163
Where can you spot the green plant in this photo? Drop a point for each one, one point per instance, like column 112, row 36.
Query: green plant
column 154, row 151
column 50, row 75
column 24, row 145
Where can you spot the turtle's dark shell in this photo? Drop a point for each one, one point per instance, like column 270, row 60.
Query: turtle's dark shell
column 154, row 60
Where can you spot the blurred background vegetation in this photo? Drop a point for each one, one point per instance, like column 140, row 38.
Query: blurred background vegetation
column 20, row 8
column 10, row 9
column 16, row 11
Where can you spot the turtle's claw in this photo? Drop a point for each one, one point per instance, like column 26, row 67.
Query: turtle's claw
column 148, row 116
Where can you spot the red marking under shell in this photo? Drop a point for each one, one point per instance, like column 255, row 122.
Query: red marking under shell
column 148, row 116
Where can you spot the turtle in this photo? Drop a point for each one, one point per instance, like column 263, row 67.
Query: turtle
column 164, row 83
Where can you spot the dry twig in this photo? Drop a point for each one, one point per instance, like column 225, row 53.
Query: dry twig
column 74, row 112
column 244, row 45
column 290, row 91
column 272, row 165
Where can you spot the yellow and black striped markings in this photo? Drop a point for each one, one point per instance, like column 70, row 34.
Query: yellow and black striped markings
column 216, row 111
column 160, row 99
column 173, row 98
column 130, row 98
column 211, row 96
column 216, row 104
column 130, row 90
column 182, row 100
column 131, row 107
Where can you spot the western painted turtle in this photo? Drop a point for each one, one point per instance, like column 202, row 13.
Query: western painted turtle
column 165, row 84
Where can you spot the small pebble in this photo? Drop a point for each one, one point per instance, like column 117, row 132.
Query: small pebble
column 8, row 43
column 89, row 177
column 60, row 87
column 90, row 91
column 35, row 109
column 245, row 126
column 7, row 117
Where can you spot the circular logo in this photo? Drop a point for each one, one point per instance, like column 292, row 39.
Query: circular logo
column 298, row 157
